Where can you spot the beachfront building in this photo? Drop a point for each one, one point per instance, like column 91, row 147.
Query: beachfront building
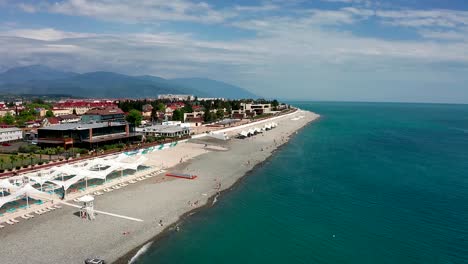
column 86, row 135
column 10, row 134
column 106, row 114
column 169, row 131
column 261, row 108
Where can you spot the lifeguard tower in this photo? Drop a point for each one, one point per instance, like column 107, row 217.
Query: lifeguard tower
column 87, row 209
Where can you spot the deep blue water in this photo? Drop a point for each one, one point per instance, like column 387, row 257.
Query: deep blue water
column 367, row 183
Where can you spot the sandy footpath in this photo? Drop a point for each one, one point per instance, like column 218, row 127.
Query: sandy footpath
column 62, row 237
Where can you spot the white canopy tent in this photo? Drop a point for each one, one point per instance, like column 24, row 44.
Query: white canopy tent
column 86, row 171
column 27, row 190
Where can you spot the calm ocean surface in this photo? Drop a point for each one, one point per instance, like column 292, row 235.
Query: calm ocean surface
column 368, row 183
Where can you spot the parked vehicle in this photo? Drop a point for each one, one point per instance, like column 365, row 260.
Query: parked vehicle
column 94, row 261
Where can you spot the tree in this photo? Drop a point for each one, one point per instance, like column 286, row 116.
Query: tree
column 31, row 158
column 2, row 163
column 274, row 104
column 13, row 159
column 40, row 152
column 209, row 116
column 134, row 117
column 22, row 158
column 160, row 107
column 178, row 115
column 50, row 152
column 187, row 108
column 220, row 114
column 8, row 119
column 59, row 150
column 50, row 113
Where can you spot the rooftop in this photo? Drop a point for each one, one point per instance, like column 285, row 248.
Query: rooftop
column 9, row 129
column 162, row 129
column 105, row 111
column 81, row 126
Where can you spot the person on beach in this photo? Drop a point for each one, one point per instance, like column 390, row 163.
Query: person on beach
column 160, row 222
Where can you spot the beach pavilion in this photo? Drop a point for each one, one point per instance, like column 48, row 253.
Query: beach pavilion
column 25, row 191
column 93, row 169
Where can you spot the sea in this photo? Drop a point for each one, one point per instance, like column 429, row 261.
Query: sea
column 367, row 183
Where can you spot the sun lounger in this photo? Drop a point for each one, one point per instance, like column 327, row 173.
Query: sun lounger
column 108, row 190
column 29, row 215
column 45, row 210
column 115, row 187
column 132, row 181
column 24, row 217
column 51, row 208
column 148, row 176
column 2, row 226
column 57, row 206
column 76, row 200
column 38, row 212
column 14, row 220
column 10, row 222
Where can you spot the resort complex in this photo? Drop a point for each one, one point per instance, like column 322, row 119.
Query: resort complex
column 77, row 187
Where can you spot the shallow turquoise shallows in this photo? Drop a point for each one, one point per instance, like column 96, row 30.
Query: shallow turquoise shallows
column 367, row 183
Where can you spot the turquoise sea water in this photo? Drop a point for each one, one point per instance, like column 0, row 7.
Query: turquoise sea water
column 368, row 183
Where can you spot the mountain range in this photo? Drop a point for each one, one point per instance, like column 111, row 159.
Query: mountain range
column 42, row 80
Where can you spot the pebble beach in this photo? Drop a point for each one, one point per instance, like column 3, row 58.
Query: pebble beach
column 62, row 237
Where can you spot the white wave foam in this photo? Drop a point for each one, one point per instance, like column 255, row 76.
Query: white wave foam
column 140, row 252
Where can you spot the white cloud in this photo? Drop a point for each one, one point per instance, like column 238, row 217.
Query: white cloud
column 44, row 34
column 146, row 11
column 295, row 44
column 261, row 8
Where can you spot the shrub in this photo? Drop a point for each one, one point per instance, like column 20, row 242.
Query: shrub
column 28, row 148
column 18, row 167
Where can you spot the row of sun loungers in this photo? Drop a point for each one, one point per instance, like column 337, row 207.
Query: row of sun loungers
column 121, row 185
column 29, row 216
column 47, row 209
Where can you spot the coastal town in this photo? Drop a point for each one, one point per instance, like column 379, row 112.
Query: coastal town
column 69, row 128
column 76, row 161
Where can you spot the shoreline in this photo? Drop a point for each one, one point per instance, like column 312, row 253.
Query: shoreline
column 117, row 240
column 127, row 258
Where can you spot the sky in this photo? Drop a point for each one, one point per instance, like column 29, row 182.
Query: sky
column 338, row 50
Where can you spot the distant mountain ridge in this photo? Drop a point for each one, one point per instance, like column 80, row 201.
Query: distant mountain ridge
column 33, row 72
column 39, row 79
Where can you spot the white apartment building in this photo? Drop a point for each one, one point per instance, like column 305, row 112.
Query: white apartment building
column 176, row 97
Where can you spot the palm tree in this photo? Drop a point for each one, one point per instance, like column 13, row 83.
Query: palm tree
column 59, row 150
column 50, row 152
column 13, row 159
column 31, row 157
column 22, row 157
column 40, row 152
